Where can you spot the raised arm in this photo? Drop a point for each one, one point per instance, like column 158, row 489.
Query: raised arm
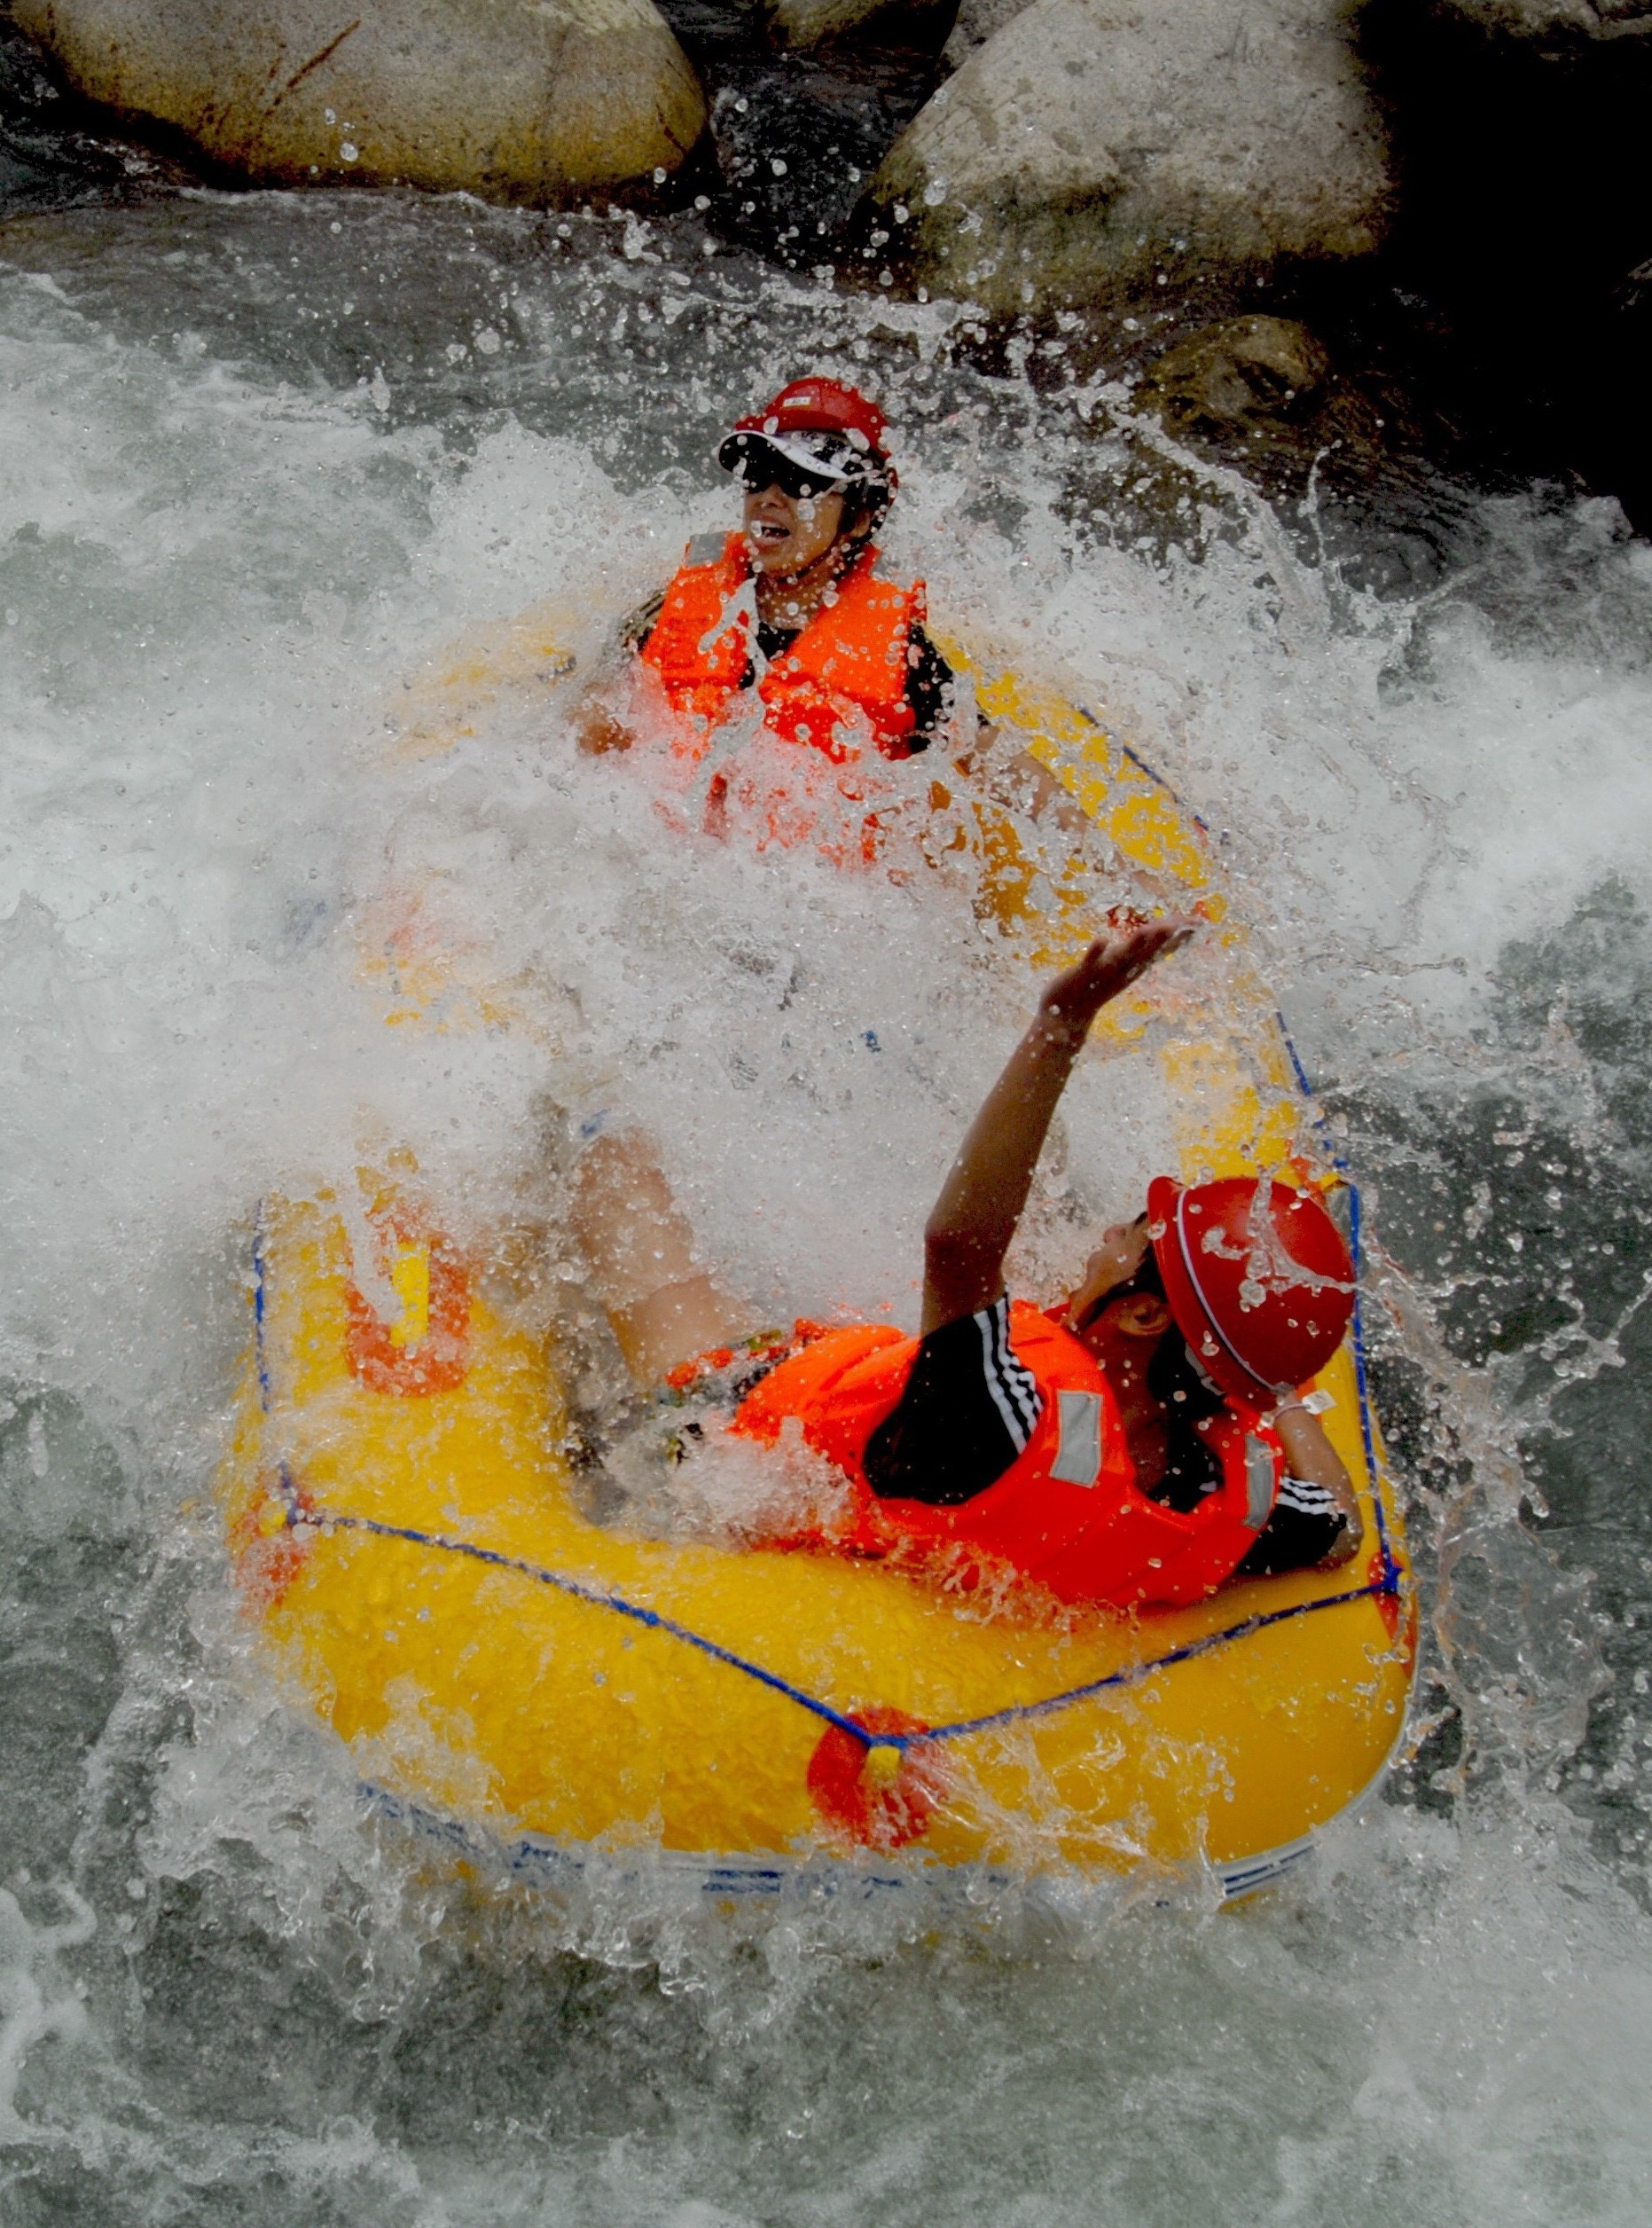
column 972, row 1223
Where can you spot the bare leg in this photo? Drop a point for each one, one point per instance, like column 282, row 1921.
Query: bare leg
column 664, row 1306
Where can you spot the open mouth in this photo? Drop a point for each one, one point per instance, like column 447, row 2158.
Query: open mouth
column 768, row 533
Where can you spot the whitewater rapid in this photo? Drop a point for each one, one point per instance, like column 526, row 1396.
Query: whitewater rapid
column 263, row 462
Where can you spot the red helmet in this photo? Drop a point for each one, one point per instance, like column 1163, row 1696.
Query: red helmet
column 1257, row 1277
column 820, row 426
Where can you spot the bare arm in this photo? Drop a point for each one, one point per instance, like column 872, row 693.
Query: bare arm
column 602, row 719
column 972, row 1223
column 1310, row 1456
column 597, row 727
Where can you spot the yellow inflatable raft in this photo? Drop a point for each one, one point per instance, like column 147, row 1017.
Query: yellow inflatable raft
column 406, row 1534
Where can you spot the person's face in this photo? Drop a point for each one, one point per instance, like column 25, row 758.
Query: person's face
column 788, row 533
column 1121, row 1253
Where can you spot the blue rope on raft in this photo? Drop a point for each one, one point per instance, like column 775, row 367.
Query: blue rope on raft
column 327, row 1521
column 1142, row 765
column 260, row 1345
column 597, row 1598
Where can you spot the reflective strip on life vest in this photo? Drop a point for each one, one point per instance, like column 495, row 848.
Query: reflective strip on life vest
column 1078, row 1456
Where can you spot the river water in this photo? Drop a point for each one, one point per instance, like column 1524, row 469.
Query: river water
column 261, row 458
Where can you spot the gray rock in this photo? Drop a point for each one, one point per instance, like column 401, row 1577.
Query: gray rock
column 1091, row 145
column 518, row 100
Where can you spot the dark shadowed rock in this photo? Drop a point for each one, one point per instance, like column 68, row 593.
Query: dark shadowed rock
column 975, row 22
column 1525, row 217
column 1556, row 23
column 1235, row 375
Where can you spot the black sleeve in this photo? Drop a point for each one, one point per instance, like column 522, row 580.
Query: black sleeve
column 930, row 688
column 1305, row 1525
column 967, row 1411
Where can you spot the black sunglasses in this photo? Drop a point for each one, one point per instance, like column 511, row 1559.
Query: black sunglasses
column 759, row 466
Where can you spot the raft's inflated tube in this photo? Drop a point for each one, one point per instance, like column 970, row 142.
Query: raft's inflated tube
column 405, row 1535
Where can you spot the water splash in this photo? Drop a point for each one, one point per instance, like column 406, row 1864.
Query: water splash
column 226, row 559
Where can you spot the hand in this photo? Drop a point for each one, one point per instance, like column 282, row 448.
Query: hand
column 1115, row 960
column 972, row 1223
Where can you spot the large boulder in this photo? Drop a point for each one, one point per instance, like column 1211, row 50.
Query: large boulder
column 1089, row 146
column 519, row 100
column 1241, row 376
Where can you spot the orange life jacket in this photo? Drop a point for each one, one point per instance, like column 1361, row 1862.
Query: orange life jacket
column 841, row 684
column 1066, row 1513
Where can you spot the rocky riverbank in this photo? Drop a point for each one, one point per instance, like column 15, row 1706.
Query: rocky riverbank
column 1311, row 234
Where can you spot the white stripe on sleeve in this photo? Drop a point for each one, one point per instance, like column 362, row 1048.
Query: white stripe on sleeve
column 1310, row 1500
column 1013, row 1387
